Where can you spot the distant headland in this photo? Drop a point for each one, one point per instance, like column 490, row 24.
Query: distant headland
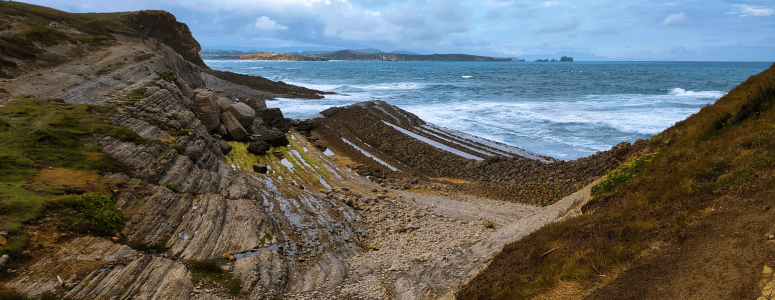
column 348, row 55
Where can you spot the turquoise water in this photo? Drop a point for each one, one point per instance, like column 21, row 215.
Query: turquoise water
column 563, row 110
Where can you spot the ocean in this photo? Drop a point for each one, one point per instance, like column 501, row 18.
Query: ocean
column 562, row 110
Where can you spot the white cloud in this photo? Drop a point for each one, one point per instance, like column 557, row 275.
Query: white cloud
column 267, row 24
column 753, row 10
column 673, row 18
column 512, row 52
column 551, row 3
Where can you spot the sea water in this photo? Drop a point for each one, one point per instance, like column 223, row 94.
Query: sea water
column 563, row 110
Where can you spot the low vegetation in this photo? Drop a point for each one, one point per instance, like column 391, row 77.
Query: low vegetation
column 52, row 136
column 93, row 30
column 726, row 149
column 211, row 270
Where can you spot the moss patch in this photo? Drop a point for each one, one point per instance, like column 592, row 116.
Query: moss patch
column 46, row 153
column 211, row 270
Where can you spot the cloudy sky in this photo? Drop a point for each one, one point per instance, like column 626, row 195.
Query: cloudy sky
column 614, row 29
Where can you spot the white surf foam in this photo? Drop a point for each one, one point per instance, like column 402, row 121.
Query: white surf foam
column 679, row 92
column 434, row 143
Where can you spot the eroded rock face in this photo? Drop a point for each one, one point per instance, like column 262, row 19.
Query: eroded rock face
column 74, row 261
column 233, row 125
column 206, row 109
column 244, row 114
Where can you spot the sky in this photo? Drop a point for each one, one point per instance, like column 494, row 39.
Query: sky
column 714, row 30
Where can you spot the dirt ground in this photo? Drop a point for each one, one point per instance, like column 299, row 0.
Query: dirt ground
column 721, row 256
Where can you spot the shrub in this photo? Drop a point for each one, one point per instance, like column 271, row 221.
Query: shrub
column 180, row 149
column 181, row 132
column 102, row 214
column 166, row 76
column 173, row 187
column 622, row 175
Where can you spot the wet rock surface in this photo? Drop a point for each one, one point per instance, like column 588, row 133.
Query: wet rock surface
column 401, row 141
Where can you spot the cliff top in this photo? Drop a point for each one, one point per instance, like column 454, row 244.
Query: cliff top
column 34, row 37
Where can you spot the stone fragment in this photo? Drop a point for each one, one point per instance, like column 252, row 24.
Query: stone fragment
column 225, row 147
column 244, row 114
column 258, row 147
column 272, row 136
column 222, row 130
column 224, row 102
column 488, row 224
column 206, row 110
column 4, row 260
column 235, row 129
column 260, row 168
column 374, row 247
column 256, row 104
column 3, row 241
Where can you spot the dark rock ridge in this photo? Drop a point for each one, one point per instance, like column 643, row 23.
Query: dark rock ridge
column 280, row 88
column 354, row 55
column 414, row 148
column 163, row 27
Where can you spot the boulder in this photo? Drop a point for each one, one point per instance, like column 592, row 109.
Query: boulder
column 233, row 126
column 258, row 147
column 244, row 114
column 222, row 130
column 225, row 147
column 256, row 104
column 488, row 224
column 206, row 110
column 274, row 117
column 272, row 136
column 260, row 168
column 224, row 102
column 306, row 125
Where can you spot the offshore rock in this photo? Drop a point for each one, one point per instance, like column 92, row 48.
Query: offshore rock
column 244, row 114
column 206, row 109
column 233, row 125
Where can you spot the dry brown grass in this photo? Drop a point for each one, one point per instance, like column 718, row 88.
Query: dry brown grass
column 722, row 151
column 69, row 181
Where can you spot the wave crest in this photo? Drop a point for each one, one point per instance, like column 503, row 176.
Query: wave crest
column 679, row 92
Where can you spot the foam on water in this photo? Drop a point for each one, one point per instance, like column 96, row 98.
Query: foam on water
column 561, row 110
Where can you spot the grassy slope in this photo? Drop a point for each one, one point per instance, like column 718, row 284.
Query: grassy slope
column 43, row 134
column 712, row 155
column 96, row 29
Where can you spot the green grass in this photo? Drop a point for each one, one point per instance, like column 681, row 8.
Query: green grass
column 181, row 132
column 172, row 187
column 166, row 76
column 97, row 29
column 46, row 133
column 142, row 57
column 244, row 161
column 137, row 94
column 211, row 270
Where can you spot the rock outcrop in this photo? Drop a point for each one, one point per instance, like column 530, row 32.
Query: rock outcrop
column 244, row 114
column 206, row 109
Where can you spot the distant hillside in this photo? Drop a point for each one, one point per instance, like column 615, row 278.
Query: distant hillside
column 362, row 56
column 279, row 56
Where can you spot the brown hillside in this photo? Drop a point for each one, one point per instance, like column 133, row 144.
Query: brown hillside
column 688, row 218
